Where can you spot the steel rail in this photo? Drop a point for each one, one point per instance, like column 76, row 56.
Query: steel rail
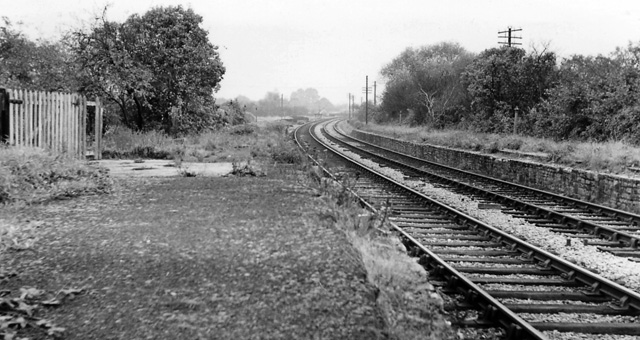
column 574, row 222
column 612, row 212
column 626, row 298
column 517, row 328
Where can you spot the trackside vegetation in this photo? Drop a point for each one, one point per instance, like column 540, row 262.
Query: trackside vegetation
column 501, row 90
column 409, row 304
column 613, row 157
column 29, row 175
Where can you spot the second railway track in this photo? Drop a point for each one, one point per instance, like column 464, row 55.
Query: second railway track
column 498, row 279
column 611, row 230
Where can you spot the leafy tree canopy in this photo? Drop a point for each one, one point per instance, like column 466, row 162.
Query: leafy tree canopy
column 425, row 82
column 40, row 65
column 159, row 68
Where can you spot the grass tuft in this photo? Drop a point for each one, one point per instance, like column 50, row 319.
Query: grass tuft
column 32, row 175
column 409, row 304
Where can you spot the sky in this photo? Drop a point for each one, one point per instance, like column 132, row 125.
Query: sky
column 332, row 45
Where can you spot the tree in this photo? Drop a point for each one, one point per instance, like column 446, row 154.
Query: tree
column 158, row 68
column 596, row 98
column 309, row 101
column 426, row 82
column 501, row 80
column 40, row 65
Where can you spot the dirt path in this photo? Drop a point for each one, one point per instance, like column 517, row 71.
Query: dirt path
column 196, row 258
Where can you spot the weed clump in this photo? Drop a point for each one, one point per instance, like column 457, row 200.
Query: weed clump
column 245, row 129
column 409, row 303
column 33, row 175
column 244, row 169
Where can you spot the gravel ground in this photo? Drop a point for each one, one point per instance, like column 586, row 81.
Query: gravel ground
column 196, row 258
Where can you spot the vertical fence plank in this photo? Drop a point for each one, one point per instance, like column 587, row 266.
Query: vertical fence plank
column 74, row 127
column 98, row 130
column 54, row 122
column 47, row 120
column 65, row 123
column 70, row 126
column 18, row 119
column 59, row 108
column 32, row 119
column 83, row 127
column 28, row 118
column 12, row 128
column 22, row 119
column 40, row 120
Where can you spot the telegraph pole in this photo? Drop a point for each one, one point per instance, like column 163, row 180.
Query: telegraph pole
column 366, row 100
column 349, row 105
column 374, row 94
column 282, row 105
column 366, row 91
column 509, row 36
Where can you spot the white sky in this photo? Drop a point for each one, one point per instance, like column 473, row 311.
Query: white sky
column 331, row 45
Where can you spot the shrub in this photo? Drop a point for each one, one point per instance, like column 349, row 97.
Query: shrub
column 34, row 175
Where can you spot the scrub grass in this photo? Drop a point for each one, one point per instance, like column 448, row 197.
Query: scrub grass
column 235, row 144
column 613, row 157
column 408, row 302
column 32, row 175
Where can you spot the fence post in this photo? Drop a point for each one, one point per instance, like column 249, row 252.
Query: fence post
column 97, row 149
column 4, row 116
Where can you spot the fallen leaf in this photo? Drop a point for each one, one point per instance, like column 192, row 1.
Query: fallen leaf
column 23, row 307
column 26, row 293
column 51, row 302
column 55, row 331
column 71, row 291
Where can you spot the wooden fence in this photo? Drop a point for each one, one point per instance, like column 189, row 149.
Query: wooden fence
column 50, row 120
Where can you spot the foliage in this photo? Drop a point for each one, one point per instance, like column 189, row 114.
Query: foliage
column 31, row 175
column 301, row 102
column 503, row 80
column 159, row 68
column 40, row 65
column 597, row 98
column 424, row 84
column 309, row 101
column 583, row 98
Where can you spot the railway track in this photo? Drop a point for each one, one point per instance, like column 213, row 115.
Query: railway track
column 611, row 230
column 494, row 278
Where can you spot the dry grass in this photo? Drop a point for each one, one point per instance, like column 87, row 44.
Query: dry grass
column 410, row 306
column 615, row 156
column 31, row 175
column 236, row 144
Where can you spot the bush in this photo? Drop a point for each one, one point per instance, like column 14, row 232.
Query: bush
column 33, row 175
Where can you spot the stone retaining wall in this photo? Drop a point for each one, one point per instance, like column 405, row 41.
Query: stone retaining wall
column 610, row 190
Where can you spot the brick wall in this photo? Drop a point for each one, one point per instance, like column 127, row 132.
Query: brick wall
column 609, row 190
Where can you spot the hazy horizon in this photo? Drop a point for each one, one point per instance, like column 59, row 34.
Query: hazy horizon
column 331, row 46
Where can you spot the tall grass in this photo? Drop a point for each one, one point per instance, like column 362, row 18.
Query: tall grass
column 234, row 144
column 31, row 175
column 409, row 305
column 615, row 156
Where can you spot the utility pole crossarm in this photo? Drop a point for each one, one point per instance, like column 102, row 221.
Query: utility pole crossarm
column 509, row 37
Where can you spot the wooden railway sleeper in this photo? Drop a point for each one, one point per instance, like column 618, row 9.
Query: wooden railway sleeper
column 514, row 332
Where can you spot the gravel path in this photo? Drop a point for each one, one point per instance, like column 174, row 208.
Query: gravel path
column 197, row 258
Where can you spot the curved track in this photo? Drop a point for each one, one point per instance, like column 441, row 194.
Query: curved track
column 500, row 280
column 612, row 230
